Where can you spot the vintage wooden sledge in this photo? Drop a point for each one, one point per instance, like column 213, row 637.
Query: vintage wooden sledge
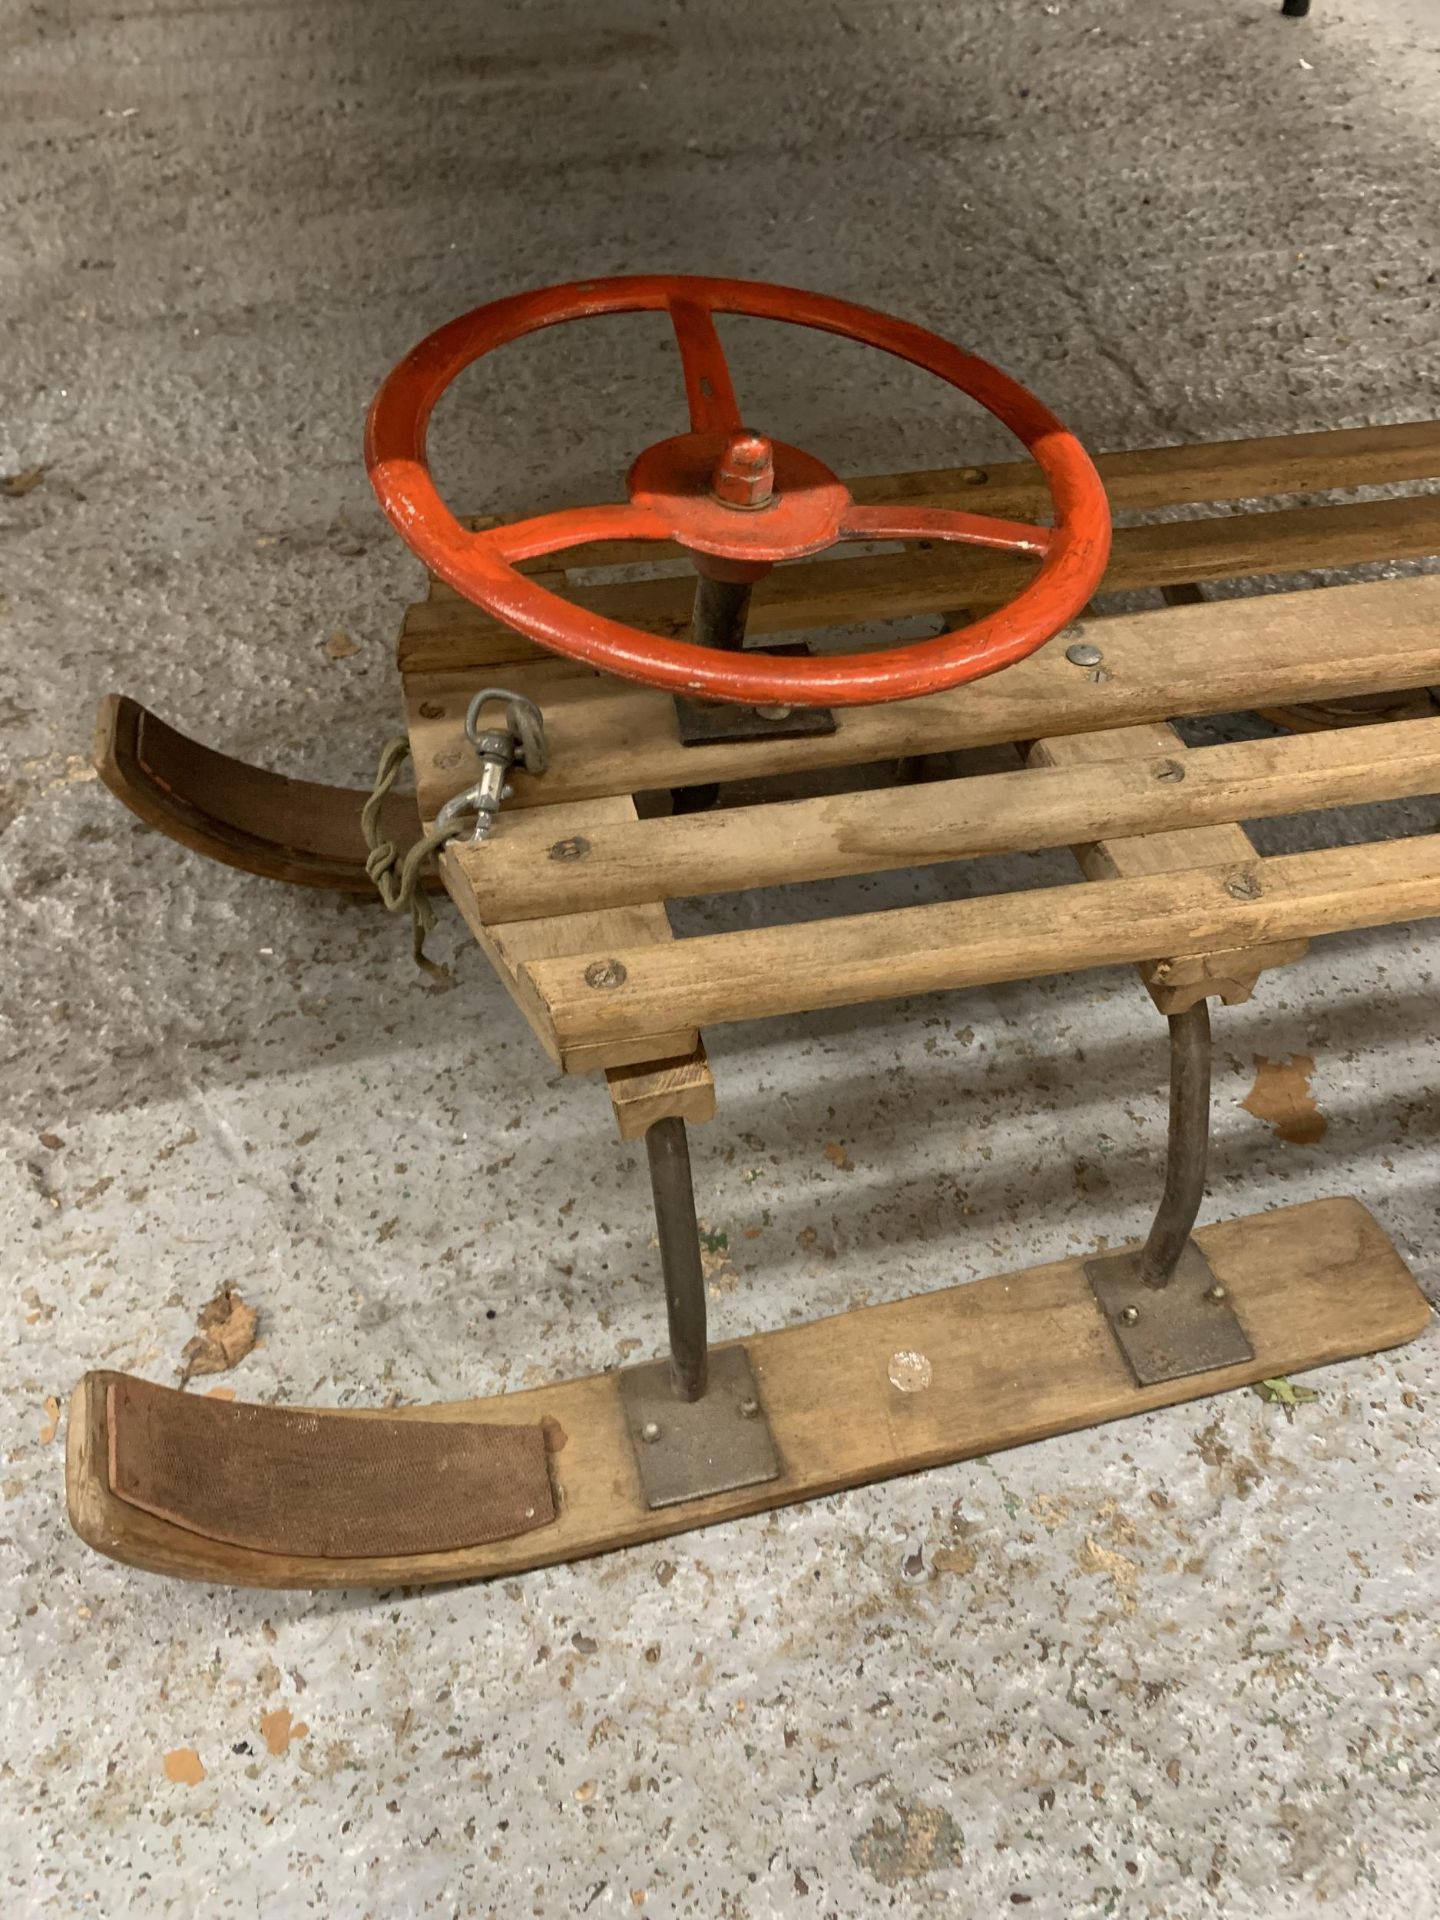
column 566, row 891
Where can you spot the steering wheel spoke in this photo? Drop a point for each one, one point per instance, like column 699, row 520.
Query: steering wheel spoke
column 946, row 523
column 531, row 539
column 708, row 386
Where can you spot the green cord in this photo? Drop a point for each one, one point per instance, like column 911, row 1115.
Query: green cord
column 407, row 894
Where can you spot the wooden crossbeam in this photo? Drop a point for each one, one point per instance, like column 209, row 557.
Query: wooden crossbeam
column 1146, row 478
column 652, row 1090
column 1166, row 840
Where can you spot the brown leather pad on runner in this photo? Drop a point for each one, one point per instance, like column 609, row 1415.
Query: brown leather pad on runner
column 346, row 1486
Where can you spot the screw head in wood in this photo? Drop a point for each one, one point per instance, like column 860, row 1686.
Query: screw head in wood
column 1084, row 653
column 1169, row 770
column 1127, row 1316
column 575, row 848
column 605, row 973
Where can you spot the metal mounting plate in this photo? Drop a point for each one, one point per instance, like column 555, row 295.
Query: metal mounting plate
column 713, row 723
column 1186, row 1327
column 699, row 1446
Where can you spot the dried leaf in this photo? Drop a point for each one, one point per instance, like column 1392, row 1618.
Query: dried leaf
column 15, row 485
column 226, row 1334
column 52, row 1141
column 1284, row 1393
column 836, row 1154
column 340, row 647
column 52, row 1420
column 1281, row 1094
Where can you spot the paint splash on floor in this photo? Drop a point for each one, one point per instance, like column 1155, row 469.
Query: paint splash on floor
column 279, row 1728
column 1281, row 1095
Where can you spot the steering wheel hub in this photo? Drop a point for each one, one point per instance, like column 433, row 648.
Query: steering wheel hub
column 739, row 496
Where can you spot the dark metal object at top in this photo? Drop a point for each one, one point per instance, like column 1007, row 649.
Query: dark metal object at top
column 721, row 610
column 668, row 1148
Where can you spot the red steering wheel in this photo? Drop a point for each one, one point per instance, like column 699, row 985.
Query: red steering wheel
column 737, row 501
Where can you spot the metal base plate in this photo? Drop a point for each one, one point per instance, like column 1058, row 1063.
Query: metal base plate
column 1186, row 1327
column 686, row 1449
column 715, row 723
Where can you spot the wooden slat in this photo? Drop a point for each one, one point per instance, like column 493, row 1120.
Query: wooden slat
column 608, row 737
column 796, row 968
column 1134, row 790
column 1176, row 983
column 1142, row 480
column 1148, row 478
column 921, row 580
column 1012, row 1360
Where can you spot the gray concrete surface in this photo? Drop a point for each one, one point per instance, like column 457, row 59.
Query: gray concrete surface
column 1180, row 1667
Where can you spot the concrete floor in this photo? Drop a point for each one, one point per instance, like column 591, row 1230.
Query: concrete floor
column 1179, row 1667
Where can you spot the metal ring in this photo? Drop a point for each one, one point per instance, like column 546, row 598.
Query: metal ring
column 523, row 719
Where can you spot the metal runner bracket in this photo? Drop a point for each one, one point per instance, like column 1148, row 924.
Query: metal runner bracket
column 716, row 723
column 1187, row 1326
column 685, row 1449
column 1169, row 1314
